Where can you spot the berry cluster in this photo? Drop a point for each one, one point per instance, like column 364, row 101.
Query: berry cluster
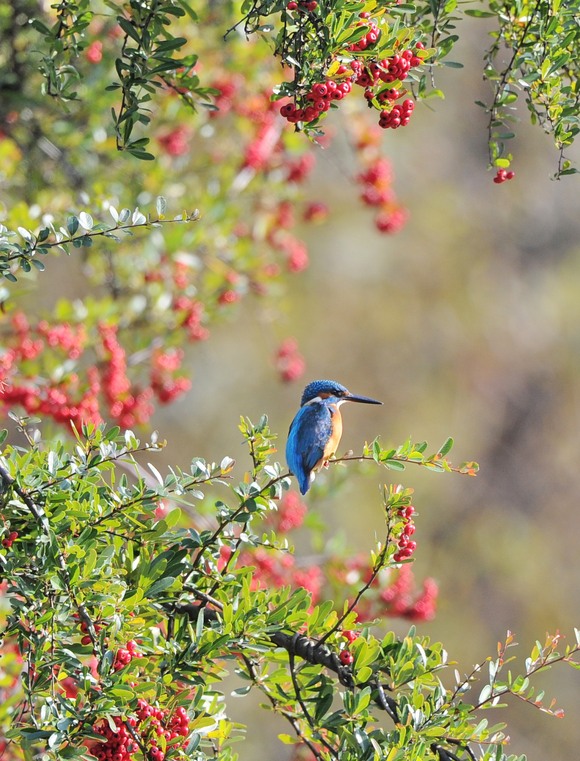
column 318, row 100
column 301, row 6
column 108, row 390
column 9, row 540
column 316, row 211
column 165, row 385
column 398, row 116
column 366, row 72
column 86, row 638
column 290, row 363
column 370, row 37
column 150, row 725
column 290, row 514
column 176, row 142
column 405, row 544
column 273, row 569
column 119, row 744
column 94, row 52
column 346, row 657
column 371, row 77
column 401, row 599
column 376, row 182
column 503, row 175
column 125, row 655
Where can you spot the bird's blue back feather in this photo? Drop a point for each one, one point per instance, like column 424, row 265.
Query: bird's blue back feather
column 307, row 437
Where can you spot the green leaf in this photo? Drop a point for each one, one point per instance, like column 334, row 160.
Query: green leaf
column 159, row 586
column 129, row 29
column 394, row 465
column 446, row 448
column 72, row 225
column 479, row 14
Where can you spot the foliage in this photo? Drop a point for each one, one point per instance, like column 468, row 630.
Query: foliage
column 541, row 40
column 121, row 612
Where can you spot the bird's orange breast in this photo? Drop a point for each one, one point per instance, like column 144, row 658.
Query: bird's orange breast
column 335, row 436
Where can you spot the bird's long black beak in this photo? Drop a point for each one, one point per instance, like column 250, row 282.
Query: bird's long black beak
column 361, row 399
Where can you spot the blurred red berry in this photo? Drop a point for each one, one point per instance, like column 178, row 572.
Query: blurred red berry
column 94, row 52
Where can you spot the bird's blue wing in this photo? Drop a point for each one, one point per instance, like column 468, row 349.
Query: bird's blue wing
column 307, row 437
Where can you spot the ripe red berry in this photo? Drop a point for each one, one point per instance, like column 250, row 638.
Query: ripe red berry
column 310, row 113
column 319, row 90
column 350, row 635
column 346, row 658
column 292, row 6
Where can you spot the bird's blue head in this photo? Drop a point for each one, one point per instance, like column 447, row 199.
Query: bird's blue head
column 324, row 389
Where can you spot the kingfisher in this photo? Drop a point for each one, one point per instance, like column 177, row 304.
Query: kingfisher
column 315, row 432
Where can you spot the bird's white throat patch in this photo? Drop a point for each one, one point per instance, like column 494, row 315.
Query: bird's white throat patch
column 320, row 399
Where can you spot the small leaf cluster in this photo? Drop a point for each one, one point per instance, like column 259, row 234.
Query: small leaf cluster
column 19, row 248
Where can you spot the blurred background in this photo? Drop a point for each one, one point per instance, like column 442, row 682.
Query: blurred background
column 465, row 324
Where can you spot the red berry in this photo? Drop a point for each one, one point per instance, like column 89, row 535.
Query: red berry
column 346, row 658
column 288, row 109
column 292, row 6
column 320, row 90
column 350, row 635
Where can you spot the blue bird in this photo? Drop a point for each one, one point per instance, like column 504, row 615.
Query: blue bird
column 315, row 432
